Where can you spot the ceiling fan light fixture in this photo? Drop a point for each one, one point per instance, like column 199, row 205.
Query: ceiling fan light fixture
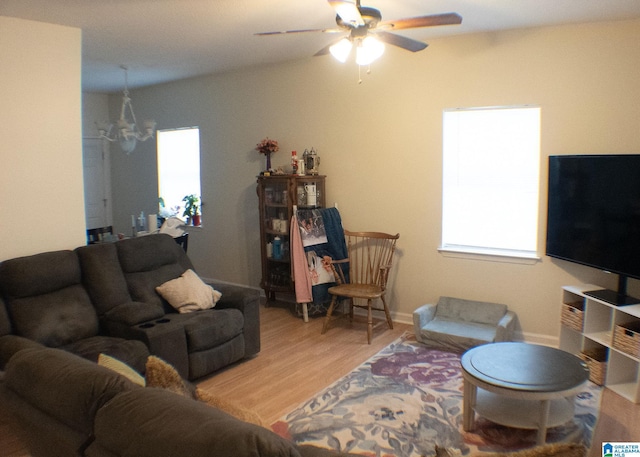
column 368, row 50
column 341, row 50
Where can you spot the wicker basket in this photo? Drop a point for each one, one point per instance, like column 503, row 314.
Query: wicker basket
column 626, row 338
column 572, row 314
column 596, row 360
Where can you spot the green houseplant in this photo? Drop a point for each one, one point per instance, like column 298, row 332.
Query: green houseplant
column 192, row 209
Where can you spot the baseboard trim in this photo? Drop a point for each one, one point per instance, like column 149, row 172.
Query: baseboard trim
column 534, row 338
column 407, row 318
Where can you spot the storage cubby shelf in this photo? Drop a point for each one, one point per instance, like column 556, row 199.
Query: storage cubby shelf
column 600, row 320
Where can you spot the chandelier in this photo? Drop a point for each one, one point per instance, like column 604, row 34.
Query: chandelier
column 127, row 133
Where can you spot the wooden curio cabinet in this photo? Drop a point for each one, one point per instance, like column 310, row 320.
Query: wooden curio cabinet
column 278, row 195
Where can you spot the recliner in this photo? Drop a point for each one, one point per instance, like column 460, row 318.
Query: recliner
column 121, row 279
column 47, row 302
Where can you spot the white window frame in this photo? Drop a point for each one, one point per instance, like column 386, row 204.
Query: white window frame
column 178, row 159
column 491, row 181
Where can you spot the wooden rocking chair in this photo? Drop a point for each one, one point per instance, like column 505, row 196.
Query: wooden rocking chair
column 370, row 260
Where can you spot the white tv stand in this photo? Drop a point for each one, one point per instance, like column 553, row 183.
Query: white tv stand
column 599, row 322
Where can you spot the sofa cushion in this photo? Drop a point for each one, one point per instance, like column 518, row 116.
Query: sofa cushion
column 188, row 428
column 134, row 312
column 102, row 276
column 56, row 318
column 457, row 335
column 213, row 328
column 148, row 262
column 63, row 385
column 189, row 293
column 132, row 352
column 470, row 311
column 39, row 274
column 46, row 300
column 202, row 363
column 5, row 322
column 142, row 284
column 151, row 252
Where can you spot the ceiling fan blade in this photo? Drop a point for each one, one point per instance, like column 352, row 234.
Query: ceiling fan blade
column 403, row 42
column 284, row 32
column 324, row 51
column 422, row 21
column 348, row 11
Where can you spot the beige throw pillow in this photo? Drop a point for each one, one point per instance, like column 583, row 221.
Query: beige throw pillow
column 162, row 375
column 229, row 407
column 189, row 293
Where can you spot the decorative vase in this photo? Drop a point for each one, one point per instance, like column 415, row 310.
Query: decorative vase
column 196, row 220
column 268, row 154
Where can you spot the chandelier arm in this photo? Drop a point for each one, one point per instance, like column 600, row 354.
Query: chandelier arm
column 127, row 133
column 133, row 116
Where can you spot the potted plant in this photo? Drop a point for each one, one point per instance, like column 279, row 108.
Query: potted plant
column 191, row 209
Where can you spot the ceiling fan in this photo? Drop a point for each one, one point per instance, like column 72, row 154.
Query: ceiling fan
column 364, row 24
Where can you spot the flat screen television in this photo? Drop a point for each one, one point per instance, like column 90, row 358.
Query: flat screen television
column 593, row 216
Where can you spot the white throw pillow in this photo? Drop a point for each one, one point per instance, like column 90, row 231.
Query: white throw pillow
column 189, row 293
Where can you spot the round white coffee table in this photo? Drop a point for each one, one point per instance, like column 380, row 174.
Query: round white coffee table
column 521, row 385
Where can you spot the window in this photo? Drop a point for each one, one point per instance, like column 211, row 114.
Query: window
column 178, row 169
column 491, row 168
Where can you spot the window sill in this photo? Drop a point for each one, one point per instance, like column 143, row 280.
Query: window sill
column 490, row 255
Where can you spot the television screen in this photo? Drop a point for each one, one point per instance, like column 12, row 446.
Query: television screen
column 594, row 211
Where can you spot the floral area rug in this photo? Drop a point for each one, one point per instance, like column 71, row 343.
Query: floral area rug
column 407, row 399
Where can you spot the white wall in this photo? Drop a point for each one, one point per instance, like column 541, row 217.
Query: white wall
column 380, row 144
column 95, row 108
column 41, row 193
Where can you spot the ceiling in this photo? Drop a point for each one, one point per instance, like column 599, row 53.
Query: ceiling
column 166, row 40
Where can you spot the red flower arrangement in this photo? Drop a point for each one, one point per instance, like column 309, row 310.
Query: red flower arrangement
column 267, row 146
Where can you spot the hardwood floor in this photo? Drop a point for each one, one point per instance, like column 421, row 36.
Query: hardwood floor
column 296, row 361
column 619, row 420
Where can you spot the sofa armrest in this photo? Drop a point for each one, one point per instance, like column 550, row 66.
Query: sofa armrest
column 422, row 316
column 234, row 296
column 506, row 326
column 10, row 344
column 246, row 300
column 132, row 313
column 187, row 427
column 165, row 338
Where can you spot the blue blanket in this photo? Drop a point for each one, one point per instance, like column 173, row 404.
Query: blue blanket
column 335, row 247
